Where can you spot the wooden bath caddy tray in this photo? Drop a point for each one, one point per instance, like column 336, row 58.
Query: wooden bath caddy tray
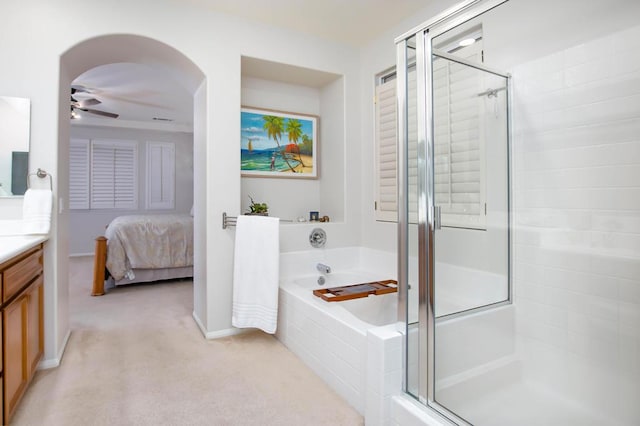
column 355, row 291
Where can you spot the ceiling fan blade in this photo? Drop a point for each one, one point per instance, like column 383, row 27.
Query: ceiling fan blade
column 102, row 113
column 88, row 102
column 76, row 88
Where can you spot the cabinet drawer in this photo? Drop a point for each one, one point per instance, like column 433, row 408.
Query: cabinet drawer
column 2, row 351
column 18, row 275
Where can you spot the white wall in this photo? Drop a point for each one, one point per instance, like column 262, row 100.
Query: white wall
column 88, row 224
column 577, row 246
column 291, row 198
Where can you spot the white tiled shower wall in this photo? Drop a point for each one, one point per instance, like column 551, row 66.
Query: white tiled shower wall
column 577, row 221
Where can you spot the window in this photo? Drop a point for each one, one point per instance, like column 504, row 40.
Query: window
column 103, row 174
column 386, row 152
column 160, row 175
column 459, row 140
column 79, row 172
column 386, row 148
column 458, row 144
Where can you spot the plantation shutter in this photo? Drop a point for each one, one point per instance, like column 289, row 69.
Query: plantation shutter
column 459, row 142
column 114, row 175
column 387, row 150
column 412, row 145
column 79, row 172
column 160, row 175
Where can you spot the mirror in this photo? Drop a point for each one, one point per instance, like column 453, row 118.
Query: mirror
column 15, row 114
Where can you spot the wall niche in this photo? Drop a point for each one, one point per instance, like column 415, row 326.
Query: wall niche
column 287, row 88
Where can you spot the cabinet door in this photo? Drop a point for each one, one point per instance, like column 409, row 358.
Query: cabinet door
column 35, row 336
column 15, row 350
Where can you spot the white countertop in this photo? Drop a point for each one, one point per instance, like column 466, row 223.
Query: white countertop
column 13, row 245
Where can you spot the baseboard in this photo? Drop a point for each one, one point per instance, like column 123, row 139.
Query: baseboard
column 209, row 335
column 82, row 255
column 46, row 364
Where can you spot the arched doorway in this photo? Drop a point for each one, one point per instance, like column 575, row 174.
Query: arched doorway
column 84, row 56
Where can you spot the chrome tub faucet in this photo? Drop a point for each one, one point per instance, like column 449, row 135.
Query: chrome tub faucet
column 323, row 268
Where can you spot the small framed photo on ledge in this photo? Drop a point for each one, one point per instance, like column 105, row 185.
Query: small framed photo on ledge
column 278, row 144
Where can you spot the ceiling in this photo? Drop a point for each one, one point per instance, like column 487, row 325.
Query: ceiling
column 354, row 22
column 139, row 93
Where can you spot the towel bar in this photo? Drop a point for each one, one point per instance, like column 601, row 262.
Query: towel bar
column 41, row 174
column 228, row 220
column 231, row 220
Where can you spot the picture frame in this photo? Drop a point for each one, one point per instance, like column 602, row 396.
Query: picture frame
column 278, row 144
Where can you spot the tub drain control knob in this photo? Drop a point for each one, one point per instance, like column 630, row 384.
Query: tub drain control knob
column 317, row 238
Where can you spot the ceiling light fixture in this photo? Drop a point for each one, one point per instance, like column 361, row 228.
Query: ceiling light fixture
column 467, row 42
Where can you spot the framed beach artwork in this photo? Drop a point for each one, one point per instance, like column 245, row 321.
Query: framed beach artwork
column 278, row 144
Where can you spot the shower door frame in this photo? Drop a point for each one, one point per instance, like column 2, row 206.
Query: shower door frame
column 427, row 212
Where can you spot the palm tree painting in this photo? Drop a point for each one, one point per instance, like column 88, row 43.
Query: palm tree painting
column 278, row 144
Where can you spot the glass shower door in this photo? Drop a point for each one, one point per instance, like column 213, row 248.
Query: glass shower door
column 471, row 232
column 470, row 180
column 454, row 219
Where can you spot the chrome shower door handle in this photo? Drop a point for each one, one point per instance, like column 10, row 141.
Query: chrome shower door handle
column 437, row 218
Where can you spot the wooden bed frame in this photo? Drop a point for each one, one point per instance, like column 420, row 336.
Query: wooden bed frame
column 99, row 265
column 143, row 275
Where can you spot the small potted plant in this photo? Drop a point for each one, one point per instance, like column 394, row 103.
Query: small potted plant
column 261, row 209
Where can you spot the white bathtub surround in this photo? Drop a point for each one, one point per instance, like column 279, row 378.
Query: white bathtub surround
column 356, row 346
column 384, row 373
column 303, row 263
column 458, row 288
column 255, row 273
column 406, row 411
column 334, row 338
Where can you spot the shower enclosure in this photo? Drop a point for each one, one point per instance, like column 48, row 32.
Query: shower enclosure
column 474, row 353
column 453, row 114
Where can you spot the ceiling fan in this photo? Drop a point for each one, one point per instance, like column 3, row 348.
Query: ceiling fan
column 83, row 104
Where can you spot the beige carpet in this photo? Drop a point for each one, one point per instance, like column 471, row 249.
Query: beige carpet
column 136, row 357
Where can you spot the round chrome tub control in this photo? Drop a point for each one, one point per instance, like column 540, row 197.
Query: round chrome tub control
column 317, row 238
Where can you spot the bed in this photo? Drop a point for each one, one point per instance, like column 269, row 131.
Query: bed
column 144, row 248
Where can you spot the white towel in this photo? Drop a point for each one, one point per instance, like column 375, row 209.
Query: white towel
column 36, row 211
column 256, row 273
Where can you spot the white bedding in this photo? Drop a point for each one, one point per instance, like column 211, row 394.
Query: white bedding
column 149, row 242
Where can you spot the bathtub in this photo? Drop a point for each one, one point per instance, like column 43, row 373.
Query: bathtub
column 345, row 343
column 355, row 346
column 362, row 313
column 458, row 289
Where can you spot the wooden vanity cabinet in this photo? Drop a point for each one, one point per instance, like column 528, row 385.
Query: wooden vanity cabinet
column 22, row 325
